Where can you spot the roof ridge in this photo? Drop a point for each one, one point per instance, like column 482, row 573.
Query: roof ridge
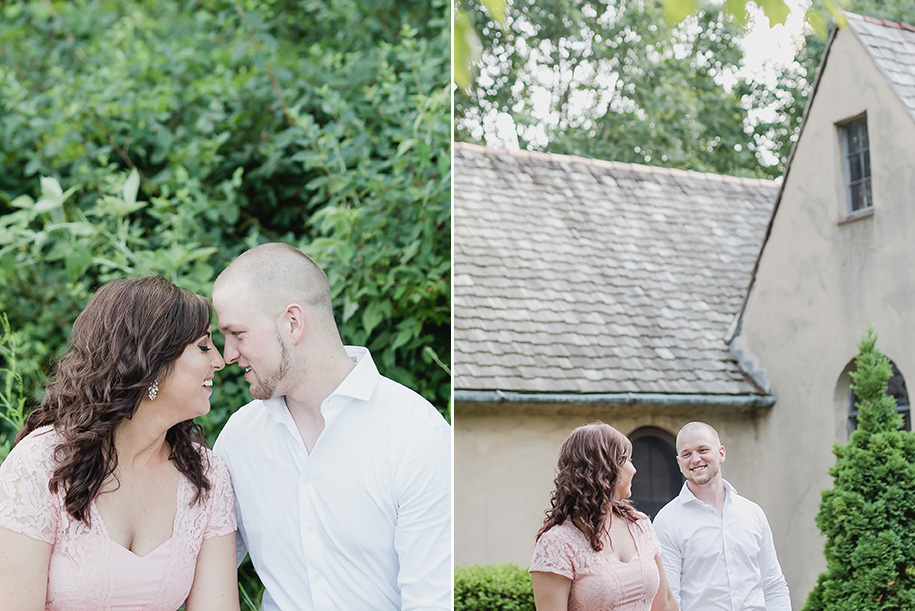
column 617, row 165
column 899, row 25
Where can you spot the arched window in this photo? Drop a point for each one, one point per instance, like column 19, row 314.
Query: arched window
column 896, row 388
column 658, row 479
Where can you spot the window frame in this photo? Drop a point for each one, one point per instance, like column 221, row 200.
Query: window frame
column 861, row 157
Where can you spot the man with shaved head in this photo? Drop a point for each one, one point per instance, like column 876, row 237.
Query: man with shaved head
column 716, row 545
column 342, row 477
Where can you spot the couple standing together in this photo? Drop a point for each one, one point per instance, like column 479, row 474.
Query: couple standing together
column 111, row 500
column 709, row 548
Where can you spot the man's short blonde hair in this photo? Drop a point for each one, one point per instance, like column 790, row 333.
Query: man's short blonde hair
column 277, row 275
column 699, row 426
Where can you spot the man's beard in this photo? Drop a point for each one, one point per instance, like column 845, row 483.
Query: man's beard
column 264, row 386
column 705, row 477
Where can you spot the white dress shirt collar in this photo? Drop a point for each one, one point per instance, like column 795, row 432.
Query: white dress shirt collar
column 686, row 495
column 358, row 384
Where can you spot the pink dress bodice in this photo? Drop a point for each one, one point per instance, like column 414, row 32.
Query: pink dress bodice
column 87, row 569
column 598, row 582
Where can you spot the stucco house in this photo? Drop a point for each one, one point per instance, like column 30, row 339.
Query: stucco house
column 646, row 298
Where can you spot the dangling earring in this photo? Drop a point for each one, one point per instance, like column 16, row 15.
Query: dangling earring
column 153, row 390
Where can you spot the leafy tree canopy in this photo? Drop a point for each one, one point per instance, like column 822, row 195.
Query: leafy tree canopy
column 612, row 80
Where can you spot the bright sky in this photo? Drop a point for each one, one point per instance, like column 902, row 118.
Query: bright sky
column 767, row 49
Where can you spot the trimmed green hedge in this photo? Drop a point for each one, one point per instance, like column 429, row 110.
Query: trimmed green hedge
column 497, row 587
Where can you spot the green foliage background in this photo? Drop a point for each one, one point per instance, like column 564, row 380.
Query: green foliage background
column 167, row 136
column 868, row 516
column 497, row 587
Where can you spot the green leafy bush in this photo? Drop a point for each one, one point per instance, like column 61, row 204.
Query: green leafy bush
column 168, row 136
column 868, row 516
column 12, row 394
column 499, row 587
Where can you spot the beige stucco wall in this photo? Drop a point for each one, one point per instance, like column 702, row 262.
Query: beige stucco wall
column 505, row 461
column 820, row 283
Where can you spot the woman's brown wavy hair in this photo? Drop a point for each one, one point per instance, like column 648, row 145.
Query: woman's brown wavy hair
column 586, row 479
column 129, row 334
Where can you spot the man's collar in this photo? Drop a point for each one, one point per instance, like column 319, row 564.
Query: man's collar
column 361, row 381
column 686, row 495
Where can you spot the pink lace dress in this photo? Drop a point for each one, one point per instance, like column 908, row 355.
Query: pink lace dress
column 87, row 569
column 598, row 582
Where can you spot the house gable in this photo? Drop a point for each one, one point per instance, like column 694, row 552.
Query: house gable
column 821, row 267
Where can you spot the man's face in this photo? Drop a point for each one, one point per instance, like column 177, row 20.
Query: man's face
column 253, row 342
column 699, row 456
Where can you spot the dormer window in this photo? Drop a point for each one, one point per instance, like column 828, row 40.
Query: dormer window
column 856, row 151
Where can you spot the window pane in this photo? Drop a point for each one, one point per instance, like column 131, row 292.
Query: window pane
column 857, row 197
column 867, row 163
column 869, row 199
column 854, row 137
column 854, row 168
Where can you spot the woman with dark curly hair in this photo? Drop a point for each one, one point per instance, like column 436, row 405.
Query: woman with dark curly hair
column 110, row 498
column 594, row 550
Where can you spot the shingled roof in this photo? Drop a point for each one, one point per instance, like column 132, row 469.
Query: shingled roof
column 574, row 275
column 892, row 47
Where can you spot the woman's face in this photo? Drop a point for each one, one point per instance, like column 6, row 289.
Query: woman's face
column 627, row 470
column 188, row 387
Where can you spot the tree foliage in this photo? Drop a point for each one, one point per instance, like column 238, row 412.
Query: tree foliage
column 788, row 98
column 467, row 42
column 868, row 516
column 167, row 137
column 612, row 80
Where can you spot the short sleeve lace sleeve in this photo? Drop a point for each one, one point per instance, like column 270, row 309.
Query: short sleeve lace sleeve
column 221, row 501
column 554, row 553
column 26, row 504
column 648, row 539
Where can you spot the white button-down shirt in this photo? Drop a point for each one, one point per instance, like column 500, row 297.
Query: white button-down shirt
column 364, row 521
column 721, row 562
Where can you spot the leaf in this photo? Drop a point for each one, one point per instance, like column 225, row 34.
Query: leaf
column 349, row 308
column 131, row 188
column 50, row 188
column 676, row 11
column 776, row 10
column 467, row 49
column 496, row 9
column 737, row 9
column 23, row 201
column 78, row 261
column 51, row 196
column 817, row 22
column 372, row 317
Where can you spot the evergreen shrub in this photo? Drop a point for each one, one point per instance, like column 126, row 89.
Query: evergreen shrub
column 497, row 587
column 868, row 517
